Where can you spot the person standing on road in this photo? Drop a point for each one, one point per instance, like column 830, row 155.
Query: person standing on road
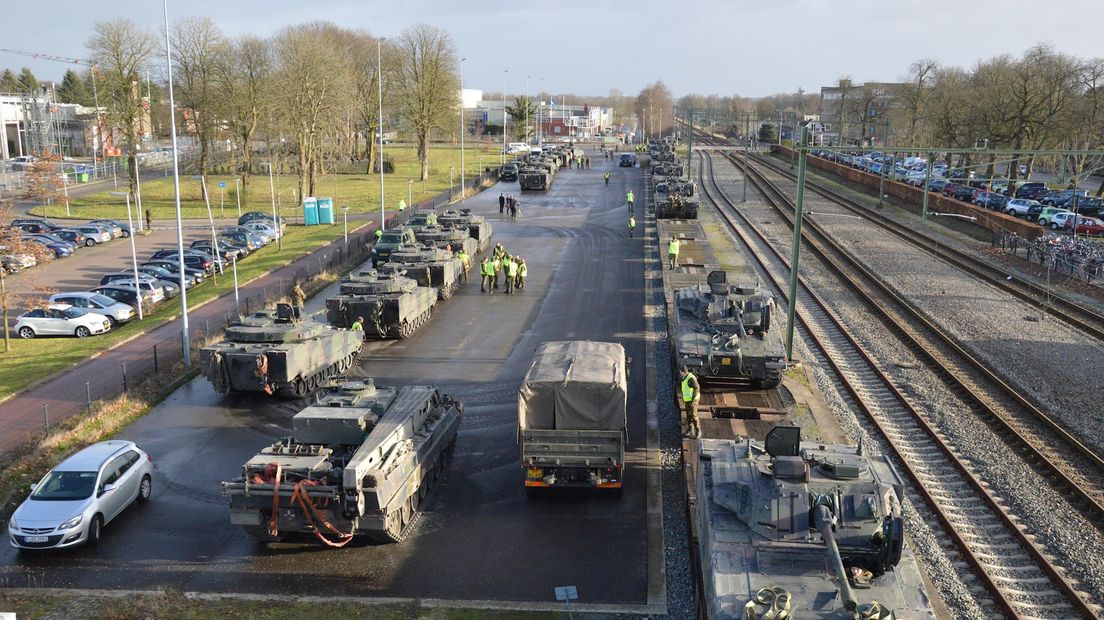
column 486, row 275
column 465, row 264
column 149, row 219
column 607, row 178
column 523, row 271
column 511, row 275
column 691, row 394
column 629, row 197
column 672, row 252
column 501, row 203
column 632, row 225
column 496, row 265
column 514, row 209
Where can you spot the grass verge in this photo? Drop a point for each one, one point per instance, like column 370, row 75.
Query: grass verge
column 30, row 361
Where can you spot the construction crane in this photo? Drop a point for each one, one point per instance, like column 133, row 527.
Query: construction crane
column 95, row 95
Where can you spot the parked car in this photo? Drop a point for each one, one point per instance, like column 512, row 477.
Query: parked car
column 52, row 238
column 198, row 275
column 990, row 200
column 1022, row 207
column 61, row 320
column 1031, row 190
column 23, row 162
column 958, row 192
column 227, row 250
column 116, row 312
column 123, row 295
column 156, row 288
column 1062, row 219
column 264, row 228
column 35, row 227
column 166, row 275
column 1047, row 214
column 239, row 238
column 86, row 491
column 116, row 229
column 93, row 234
column 1062, row 197
column 509, row 172
column 195, row 260
column 59, row 250
column 16, row 223
column 70, row 235
column 1089, row 226
column 258, row 215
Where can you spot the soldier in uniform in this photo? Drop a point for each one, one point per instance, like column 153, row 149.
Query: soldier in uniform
column 690, row 394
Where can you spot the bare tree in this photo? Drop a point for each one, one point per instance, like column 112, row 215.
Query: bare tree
column 243, row 75
column 424, row 84
column 122, row 51
column 366, row 76
column 913, row 97
column 650, row 101
column 198, row 45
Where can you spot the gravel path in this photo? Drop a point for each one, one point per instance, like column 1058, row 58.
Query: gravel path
column 1050, row 518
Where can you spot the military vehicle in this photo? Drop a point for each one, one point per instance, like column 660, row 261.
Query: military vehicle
column 389, row 241
column 676, row 207
column 667, row 169
column 277, row 351
column 673, row 186
column 420, row 219
column 430, row 266
column 478, row 228
column 393, row 305
column 572, row 416
column 535, row 177
column 450, row 238
column 724, row 333
column 359, row 462
column 811, row 530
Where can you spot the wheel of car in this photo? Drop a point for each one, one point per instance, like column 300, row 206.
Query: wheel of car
column 1042, row 222
column 82, row 332
column 1054, row 225
column 1010, row 211
column 126, row 233
column 95, row 530
column 26, row 332
column 112, row 320
column 90, row 242
column 145, row 490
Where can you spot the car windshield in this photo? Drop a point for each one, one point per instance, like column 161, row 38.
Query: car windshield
column 102, row 300
column 65, row 486
column 391, row 238
column 74, row 312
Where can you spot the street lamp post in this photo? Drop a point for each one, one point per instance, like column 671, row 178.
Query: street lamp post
column 211, row 219
column 463, row 130
column 410, row 192
column 345, row 217
column 540, row 114
column 137, row 195
column 134, row 257
column 237, row 194
column 795, row 254
column 185, row 344
column 504, row 115
column 379, row 94
column 526, row 132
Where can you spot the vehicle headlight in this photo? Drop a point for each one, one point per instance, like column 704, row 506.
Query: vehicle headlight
column 71, row 523
column 375, row 251
column 12, row 525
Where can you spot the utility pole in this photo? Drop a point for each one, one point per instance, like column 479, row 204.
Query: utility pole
column 690, row 151
column 795, row 254
column 186, row 344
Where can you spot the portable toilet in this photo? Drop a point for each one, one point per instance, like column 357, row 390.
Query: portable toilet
column 310, row 211
column 325, row 211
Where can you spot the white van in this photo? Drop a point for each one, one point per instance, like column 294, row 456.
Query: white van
column 517, row 147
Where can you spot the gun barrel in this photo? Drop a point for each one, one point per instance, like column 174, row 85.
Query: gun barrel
column 823, row 519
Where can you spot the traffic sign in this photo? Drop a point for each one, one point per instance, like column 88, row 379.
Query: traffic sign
column 567, row 593
column 222, row 184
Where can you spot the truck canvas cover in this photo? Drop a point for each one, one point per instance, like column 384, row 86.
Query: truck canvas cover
column 577, row 385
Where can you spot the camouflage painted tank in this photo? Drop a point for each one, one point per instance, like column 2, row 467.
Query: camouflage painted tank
column 393, row 305
column 450, row 238
column 429, row 266
column 276, row 351
column 792, row 529
column 533, row 177
column 478, row 228
column 726, row 332
column 676, row 207
column 359, row 463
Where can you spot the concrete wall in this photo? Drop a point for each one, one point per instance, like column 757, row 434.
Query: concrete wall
column 986, row 218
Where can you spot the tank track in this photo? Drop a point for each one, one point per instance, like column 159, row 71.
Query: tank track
column 400, row 522
column 446, row 292
column 300, row 388
column 406, row 329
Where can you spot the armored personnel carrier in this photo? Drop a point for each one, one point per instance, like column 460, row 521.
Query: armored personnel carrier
column 478, row 228
column 534, row 177
column 724, row 333
column 393, row 305
column 676, row 207
column 430, row 266
column 359, row 462
column 450, row 238
column 811, row 530
column 276, row 351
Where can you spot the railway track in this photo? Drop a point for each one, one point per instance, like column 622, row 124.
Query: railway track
column 1018, row 576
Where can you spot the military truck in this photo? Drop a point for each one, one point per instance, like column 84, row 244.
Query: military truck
column 389, row 241
column 451, row 238
column 814, row 530
column 393, row 305
column 359, row 462
column 724, row 333
column 572, row 416
column 536, row 176
column 478, row 228
column 278, row 352
column 430, row 266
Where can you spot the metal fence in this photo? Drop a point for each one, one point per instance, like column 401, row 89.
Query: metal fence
column 1078, row 257
column 161, row 359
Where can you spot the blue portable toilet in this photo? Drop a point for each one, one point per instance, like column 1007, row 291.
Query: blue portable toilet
column 310, row 211
column 325, row 211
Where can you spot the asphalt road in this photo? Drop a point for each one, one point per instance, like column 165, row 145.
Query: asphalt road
column 479, row 537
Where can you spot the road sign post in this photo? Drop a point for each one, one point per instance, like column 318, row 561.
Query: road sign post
column 566, row 594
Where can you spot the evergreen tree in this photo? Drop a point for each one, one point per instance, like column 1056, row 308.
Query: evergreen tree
column 72, row 89
column 28, row 83
column 8, row 82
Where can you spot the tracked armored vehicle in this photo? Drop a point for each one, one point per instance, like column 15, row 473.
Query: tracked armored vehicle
column 478, row 228
column 535, row 177
column 676, row 207
column 393, row 305
column 430, row 266
column 450, row 238
column 277, row 351
column 724, row 333
column 359, row 462
column 811, row 530
column 667, row 169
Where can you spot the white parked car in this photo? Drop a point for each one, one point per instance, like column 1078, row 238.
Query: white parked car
column 61, row 320
column 73, row 502
column 263, row 228
column 115, row 311
column 1063, row 219
column 93, row 234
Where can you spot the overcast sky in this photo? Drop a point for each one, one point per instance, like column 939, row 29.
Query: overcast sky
column 727, row 47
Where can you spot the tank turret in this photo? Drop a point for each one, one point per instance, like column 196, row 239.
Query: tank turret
column 727, row 331
column 429, row 266
column 478, row 228
column 391, row 304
